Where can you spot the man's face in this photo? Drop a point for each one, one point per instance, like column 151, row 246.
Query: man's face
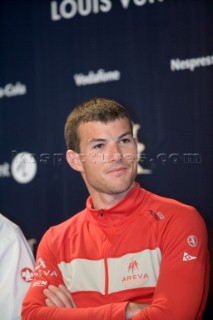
column 108, row 156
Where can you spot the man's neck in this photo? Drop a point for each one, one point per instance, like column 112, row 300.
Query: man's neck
column 107, row 201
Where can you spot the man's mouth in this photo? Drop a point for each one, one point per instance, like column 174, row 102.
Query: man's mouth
column 117, row 169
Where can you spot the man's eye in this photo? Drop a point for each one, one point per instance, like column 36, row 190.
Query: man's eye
column 125, row 140
column 99, row 146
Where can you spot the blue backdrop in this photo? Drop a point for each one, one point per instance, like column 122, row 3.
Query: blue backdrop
column 154, row 56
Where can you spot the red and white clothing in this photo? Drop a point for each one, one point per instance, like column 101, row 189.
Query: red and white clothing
column 16, row 269
column 147, row 249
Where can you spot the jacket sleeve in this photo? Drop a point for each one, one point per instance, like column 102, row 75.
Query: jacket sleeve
column 182, row 287
column 17, row 265
column 46, row 273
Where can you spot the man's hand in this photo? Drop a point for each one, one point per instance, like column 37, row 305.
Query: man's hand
column 133, row 309
column 59, row 297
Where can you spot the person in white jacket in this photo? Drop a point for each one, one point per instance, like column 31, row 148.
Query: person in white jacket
column 16, row 269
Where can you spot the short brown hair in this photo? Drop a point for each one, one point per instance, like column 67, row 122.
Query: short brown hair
column 97, row 109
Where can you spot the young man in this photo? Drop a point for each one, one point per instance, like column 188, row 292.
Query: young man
column 16, row 269
column 129, row 254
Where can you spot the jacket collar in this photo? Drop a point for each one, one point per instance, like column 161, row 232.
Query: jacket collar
column 127, row 207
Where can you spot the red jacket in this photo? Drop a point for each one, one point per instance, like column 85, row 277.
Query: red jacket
column 146, row 249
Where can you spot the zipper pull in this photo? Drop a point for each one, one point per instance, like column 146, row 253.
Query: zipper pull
column 101, row 212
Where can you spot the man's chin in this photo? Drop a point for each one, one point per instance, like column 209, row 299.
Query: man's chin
column 121, row 187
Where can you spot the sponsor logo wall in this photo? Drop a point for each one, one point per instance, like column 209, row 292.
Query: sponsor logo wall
column 154, row 56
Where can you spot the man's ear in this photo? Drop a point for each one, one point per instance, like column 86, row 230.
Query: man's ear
column 73, row 158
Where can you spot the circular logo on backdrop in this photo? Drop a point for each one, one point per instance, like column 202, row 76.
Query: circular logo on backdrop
column 23, row 167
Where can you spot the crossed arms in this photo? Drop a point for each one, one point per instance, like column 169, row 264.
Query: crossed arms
column 61, row 297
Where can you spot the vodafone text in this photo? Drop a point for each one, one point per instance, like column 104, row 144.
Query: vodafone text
column 100, row 76
column 67, row 9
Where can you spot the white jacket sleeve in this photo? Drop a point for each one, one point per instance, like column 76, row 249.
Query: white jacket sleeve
column 16, row 269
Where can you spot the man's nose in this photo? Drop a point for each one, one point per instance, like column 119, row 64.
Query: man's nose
column 114, row 152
